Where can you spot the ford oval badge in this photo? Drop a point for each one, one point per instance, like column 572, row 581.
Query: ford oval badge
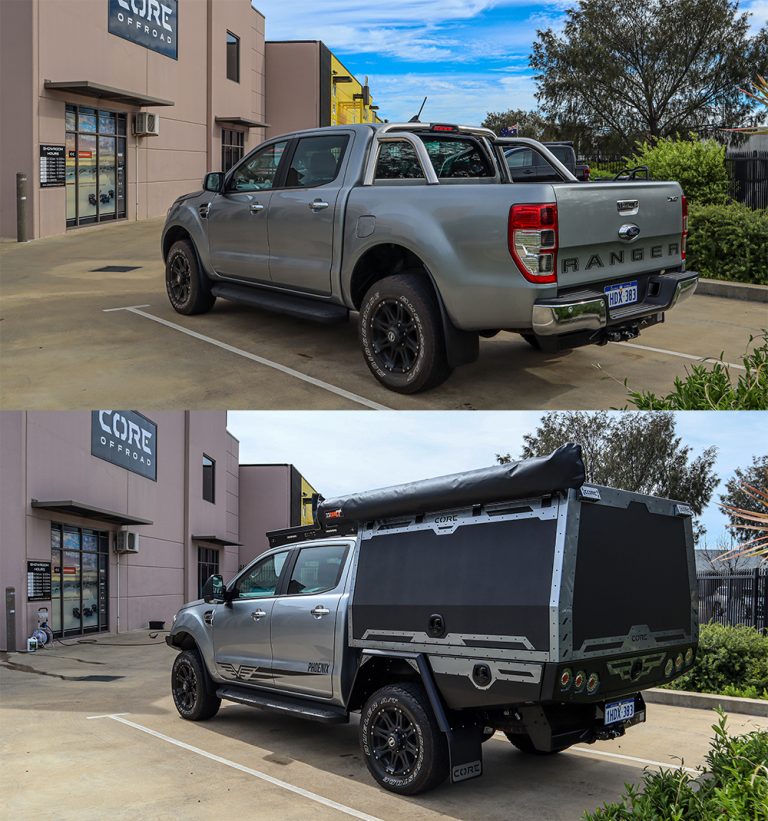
column 629, row 232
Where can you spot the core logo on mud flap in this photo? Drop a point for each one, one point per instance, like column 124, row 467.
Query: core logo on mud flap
column 461, row 772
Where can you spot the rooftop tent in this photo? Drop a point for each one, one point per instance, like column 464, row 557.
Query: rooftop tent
column 542, row 475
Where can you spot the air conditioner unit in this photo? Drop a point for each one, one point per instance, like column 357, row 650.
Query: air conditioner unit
column 126, row 541
column 146, row 124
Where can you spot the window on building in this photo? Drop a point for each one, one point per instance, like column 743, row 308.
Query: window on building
column 233, row 57
column 209, row 479
column 232, row 145
column 207, row 566
column 95, row 163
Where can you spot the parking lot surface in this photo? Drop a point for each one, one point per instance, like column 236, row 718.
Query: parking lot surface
column 64, row 345
column 90, row 731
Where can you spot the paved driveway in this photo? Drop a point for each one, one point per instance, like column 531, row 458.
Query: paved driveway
column 64, row 347
column 78, row 748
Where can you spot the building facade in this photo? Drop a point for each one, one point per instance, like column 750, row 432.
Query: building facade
column 112, row 519
column 307, row 86
column 74, row 76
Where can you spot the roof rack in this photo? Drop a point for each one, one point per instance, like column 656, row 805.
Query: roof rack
column 306, row 533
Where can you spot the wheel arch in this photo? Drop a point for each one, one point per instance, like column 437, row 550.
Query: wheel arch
column 376, row 672
column 173, row 234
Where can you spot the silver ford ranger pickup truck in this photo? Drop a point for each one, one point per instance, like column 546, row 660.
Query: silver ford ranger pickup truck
column 513, row 599
column 421, row 229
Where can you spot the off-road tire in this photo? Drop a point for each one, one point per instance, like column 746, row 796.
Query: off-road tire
column 187, row 286
column 525, row 745
column 410, row 296
column 428, row 749
column 195, row 701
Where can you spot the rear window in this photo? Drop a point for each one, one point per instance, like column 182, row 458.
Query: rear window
column 451, row 158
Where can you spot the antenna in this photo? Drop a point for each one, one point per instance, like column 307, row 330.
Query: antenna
column 415, row 119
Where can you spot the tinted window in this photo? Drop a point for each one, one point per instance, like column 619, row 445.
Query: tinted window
column 519, row 157
column 451, row 158
column 260, row 581
column 258, row 172
column 317, row 569
column 233, row 57
column 209, row 479
column 316, row 161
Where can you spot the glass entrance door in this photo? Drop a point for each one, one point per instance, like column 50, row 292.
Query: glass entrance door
column 96, row 146
column 79, row 589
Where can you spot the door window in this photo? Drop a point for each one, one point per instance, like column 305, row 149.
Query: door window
column 258, row 171
column 316, row 161
column 260, row 582
column 317, row 569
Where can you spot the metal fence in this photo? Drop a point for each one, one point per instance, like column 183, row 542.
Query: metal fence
column 748, row 172
column 749, row 177
column 734, row 598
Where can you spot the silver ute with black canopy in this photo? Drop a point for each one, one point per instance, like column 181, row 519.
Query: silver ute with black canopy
column 448, row 609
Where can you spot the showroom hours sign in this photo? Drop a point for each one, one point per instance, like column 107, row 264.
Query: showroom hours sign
column 127, row 439
column 153, row 24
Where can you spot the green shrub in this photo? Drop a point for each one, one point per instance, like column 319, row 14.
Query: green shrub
column 601, row 174
column 698, row 165
column 729, row 242
column 705, row 388
column 733, row 785
column 731, row 661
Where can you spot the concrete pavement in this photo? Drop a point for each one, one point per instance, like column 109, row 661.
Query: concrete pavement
column 148, row 763
column 63, row 348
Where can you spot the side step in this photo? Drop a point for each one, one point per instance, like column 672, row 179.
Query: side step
column 324, row 713
column 315, row 310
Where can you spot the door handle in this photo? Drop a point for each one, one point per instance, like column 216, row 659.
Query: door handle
column 319, row 611
column 318, row 205
column 256, row 206
column 258, row 614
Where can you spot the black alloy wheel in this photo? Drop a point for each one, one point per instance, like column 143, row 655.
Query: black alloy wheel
column 188, row 287
column 403, row 747
column 178, row 278
column 395, row 336
column 192, row 689
column 396, row 742
column 401, row 333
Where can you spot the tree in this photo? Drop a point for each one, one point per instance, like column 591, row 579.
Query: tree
column 633, row 451
column 738, row 494
column 652, row 69
column 530, row 123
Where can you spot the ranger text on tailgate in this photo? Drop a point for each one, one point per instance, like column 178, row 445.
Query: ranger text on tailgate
column 426, row 233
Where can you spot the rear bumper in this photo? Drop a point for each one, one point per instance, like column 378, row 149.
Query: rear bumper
column 588, row 312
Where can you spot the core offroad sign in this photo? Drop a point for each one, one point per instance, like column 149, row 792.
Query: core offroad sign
column 153, row 24
column 127, row 439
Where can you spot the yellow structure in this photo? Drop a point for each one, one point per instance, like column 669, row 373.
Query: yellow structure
column 308, row 493
column 351, row 101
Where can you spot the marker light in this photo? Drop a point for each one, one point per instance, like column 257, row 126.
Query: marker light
column 565, row 679
column 688, row 656
column 593, row 682
column 679, row 662
column 579, row 681
column 669, row 667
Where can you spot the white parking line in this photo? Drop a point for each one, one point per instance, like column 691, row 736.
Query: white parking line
column 704, row 359
column 643, row 761
column 319, row 799
column 124, row 308
column 318, row 383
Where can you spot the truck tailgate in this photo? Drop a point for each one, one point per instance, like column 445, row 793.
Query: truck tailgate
column 592, row 218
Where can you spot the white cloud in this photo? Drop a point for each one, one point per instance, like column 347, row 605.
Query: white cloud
column 758, row 9
column 461, row 98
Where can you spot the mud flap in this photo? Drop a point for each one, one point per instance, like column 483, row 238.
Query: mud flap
column 464, row 741
column 465, row 752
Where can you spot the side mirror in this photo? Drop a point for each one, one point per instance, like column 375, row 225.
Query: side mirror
column 213, row 181
column 213, row 589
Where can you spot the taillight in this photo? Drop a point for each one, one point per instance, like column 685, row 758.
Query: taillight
column 587, row 172
column 684, row 237
column 533, row 238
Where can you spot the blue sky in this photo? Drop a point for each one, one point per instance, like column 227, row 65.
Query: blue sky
column 345, row 451
column 468, row 56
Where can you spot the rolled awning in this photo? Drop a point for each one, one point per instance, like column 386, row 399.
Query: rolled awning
column 242, row 122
